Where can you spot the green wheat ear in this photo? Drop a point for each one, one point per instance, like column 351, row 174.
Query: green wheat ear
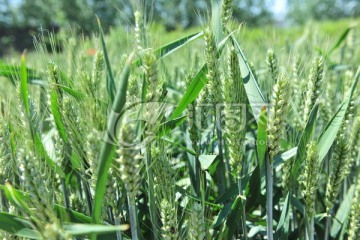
column 235, row 99
column 310, row 178
column 354, row 139
column 164, row 186
column 153, row 81
column 36, row 182
column 193, row 126
column 349, row 116
column 77, row 203
column 5, row 154
column 278, row 112
column 140, row 31
column 314, row 86
column 72, row 55
column 164, row 174
column 211, row 94
column 296, row 73
column 129, row 161
column 98, row 73
column 98, row 69
column 214, row 76
column 196, row 222
column 339, row 166
column 340, row 163
column 354, row 227
column 192, row 122
column 272, row 63
column 226, row 12
column 112, row 186
column 168, row 215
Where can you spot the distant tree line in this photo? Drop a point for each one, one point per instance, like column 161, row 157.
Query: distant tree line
column 300, row 11
column 17, row 17
column 173, row 13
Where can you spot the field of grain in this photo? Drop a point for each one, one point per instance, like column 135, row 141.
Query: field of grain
column 220, row 132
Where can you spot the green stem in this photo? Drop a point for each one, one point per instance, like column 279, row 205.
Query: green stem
column 198, row 176
column 309, row 227
column 118, row 233
column 312, row 230
column 243, row 218
column 133, row 218
column 327, row 227
column 224, row 168
column 269, row 198
column 86, row 188
column 65, row 194
column 294, row 222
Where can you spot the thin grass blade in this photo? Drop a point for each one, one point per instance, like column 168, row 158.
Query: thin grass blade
column 282, row 230
column 24, row 85
column 341, row 39
column 110, row 83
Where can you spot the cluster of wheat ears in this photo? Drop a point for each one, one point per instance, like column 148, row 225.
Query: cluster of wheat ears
column 106, row 147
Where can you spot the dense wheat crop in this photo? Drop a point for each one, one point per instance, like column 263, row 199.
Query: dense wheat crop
column 225, row 133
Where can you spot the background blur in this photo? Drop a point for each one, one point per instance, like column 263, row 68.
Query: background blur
column 20, row 19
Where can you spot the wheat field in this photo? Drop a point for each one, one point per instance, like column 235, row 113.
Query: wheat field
column 223, row 132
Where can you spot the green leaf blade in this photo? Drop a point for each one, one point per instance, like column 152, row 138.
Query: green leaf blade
column 191, row 93
column 331, row 130
column 252, row 89
column 24, row 85
column 107, row 152
column 110, row 82
column 18, row 226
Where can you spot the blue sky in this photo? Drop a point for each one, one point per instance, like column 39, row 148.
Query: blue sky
column 278, row 7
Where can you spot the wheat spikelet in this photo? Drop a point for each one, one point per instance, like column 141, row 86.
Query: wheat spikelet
column 354, row 227
column 286, row 182
column 129, row 161
column 310, row 178
column 278, row 111
column 272, row 63
column 164, row 174
column 226, row 12
column 154, row 85
column 5, row 154
column 193, row 117
column 37, row 182
column 339, row 165
column 196, row 223
column 193, row 125
column 98, row 70
column 314, row 86
column 234, row 109
column 140, row 31
column 213, row 66
column 169, row 227
column 354, row 139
